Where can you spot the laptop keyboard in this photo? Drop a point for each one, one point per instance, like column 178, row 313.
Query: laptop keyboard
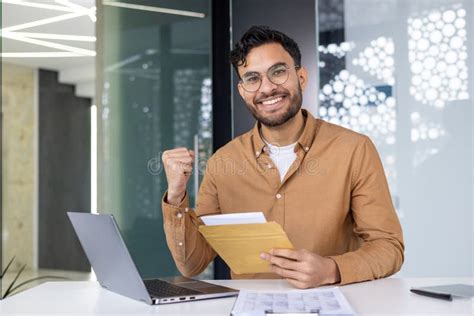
column 160, row 288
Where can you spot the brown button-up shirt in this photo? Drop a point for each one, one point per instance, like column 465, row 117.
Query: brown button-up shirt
column 334, row 201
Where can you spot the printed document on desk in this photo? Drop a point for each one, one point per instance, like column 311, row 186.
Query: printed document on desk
column 328, row 301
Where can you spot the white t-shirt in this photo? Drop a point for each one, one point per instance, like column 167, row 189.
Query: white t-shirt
column 283, row 157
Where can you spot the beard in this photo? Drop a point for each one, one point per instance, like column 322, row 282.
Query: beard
column 277, row 119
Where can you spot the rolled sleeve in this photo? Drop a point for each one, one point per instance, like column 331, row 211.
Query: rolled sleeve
column 174, row 220
column 375, row 222
column 190, row 251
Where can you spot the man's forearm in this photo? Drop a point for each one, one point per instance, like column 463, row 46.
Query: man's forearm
column 189, row 249
column 371, row 261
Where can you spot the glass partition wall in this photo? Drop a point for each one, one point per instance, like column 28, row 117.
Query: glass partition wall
column 401, row 72
column 155, row 94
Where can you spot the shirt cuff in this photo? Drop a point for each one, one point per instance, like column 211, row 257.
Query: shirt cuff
column 182, row 205
column 174, row 222
column 347, row 269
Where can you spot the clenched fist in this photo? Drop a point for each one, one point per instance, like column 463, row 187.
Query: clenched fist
column 178, row 164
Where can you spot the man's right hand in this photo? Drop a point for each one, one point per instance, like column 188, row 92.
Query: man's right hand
column 178, row 164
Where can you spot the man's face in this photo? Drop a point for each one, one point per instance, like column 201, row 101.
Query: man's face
column 272, row 104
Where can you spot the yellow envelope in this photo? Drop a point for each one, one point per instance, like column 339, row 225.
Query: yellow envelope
column 240, row 245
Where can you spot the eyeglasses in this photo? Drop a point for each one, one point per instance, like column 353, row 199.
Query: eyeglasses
column 277, row 74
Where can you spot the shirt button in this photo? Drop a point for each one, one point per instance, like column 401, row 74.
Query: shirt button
column 306, row 148
column 269, row 166
column 180, row 244
column 278, row 196
column 179, row 215
column 186, row 209
column 257, row 153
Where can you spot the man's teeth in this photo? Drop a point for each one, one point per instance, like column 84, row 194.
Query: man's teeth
column 272, row 101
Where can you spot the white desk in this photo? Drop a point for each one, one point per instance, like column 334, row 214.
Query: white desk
column 382, row 297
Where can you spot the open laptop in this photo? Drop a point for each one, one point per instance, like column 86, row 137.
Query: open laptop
column 115, row 270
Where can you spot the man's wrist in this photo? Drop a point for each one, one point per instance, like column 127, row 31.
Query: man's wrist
column 175, row 199
column 334, row 276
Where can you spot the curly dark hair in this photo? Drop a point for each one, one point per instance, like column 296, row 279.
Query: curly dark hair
column 258, row 35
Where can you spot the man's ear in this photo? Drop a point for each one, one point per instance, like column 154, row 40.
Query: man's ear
column 241, row 90
column 302, row 77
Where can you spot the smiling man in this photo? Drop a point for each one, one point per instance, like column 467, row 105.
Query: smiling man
column 324, row 184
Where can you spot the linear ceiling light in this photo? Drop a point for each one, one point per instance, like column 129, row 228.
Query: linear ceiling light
column 154, row 9
column 63, row 37
column 43, row 22
column 68, row 48
column 90, row 12
column 73, row 11
column 73, row 6
column 40, row 55
column 39, row 5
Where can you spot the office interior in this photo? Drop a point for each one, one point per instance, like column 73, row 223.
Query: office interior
column 93, row 92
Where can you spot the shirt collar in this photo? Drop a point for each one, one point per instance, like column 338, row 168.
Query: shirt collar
column 305, row 140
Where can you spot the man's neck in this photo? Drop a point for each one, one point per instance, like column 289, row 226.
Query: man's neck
column 285, row 134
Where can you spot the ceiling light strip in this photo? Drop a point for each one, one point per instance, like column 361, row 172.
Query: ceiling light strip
column 68, row 48
column 73, row 6
column 43, row 22
column 38, row 5
column 92, row 14
column 40, row 55
column 78, row 38
column 154, row 9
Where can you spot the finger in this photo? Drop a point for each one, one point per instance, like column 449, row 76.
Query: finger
column 175, row 151
column 180, row 149
column 187, row 169
column 186, row 160
column 284, row 262
column 265, row 256
column 288, row 274
column 179, row 161
column 287, row 253
column 183, row 150
column 181, row 167
column 179, row 155
column 298, row 284
column 186, row 166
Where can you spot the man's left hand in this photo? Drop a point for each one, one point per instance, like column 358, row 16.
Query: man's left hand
column 302, row 268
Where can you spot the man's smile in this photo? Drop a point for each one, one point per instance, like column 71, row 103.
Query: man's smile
column 272, row 103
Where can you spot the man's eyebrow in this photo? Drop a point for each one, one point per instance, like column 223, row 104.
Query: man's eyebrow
column 249, row 73
column 278, row 64
column 272, row 66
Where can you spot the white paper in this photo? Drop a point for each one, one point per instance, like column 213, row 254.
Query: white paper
column 323, row 301
column 234, row 218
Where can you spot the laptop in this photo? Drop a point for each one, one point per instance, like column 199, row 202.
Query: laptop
column 113, row 265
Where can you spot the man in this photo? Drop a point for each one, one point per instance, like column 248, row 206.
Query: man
column 324, row 184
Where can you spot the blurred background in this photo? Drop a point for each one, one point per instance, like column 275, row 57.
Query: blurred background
column 94, row 91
